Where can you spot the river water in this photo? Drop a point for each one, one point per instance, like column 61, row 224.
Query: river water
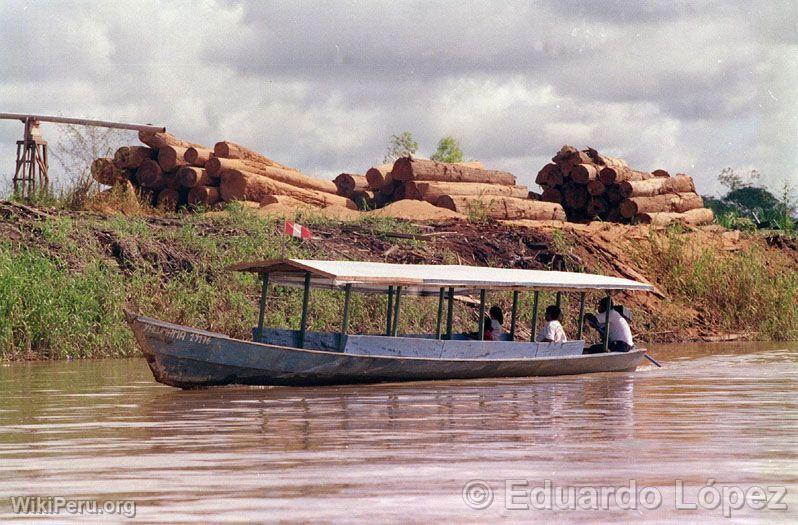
column 104, row 430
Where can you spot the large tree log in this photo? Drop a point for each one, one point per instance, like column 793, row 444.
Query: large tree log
column 231, row 150
column 551, row 195
column 606, row 160
column 168, row 199
column 216, row 165
column 657, row 186
column 131, row 157
column 244, row 185
column 408, row 168
column 613, row 194
column 375, row 176
column 197, row 156
column 191, row 176
column 575, row 196
column 694, row 217
column 158, row 140
column 204, row 195
column 502, row 207
column 348, row 182
column 431, row 191
column 150, row 175
column 542, row 178
column 611, row 175
column 104, row 171
column 678, row 202
column 597, row 207
column 583, row 173
column 171, row 157
column 596, row 188
column 364, row 199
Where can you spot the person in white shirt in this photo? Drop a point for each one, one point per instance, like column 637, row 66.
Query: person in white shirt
column 496, row 321
column 552, row 331
column 620, row 334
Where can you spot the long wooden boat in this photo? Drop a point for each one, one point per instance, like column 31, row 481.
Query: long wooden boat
column 187, row 357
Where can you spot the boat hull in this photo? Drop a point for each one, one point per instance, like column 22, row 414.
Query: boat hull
column 189, row 358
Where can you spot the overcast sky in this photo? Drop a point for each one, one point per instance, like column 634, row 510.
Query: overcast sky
column 686, row 86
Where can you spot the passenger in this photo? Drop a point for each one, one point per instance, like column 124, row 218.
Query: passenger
column 620, row 334
column 496, row 322
column 552, row 331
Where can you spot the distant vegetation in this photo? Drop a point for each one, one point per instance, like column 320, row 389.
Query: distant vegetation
column 403, row 144
column 448, row 151
column 748, row 206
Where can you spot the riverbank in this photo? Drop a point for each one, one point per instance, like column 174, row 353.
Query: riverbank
column 65, row 277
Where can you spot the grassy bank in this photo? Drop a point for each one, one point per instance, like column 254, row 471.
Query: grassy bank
column 65, row 279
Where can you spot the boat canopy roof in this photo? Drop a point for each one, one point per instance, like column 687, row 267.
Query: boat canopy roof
column 427, row 279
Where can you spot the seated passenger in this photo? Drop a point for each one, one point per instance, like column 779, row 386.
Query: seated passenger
column 552, row 331
column 620, row 334
column 496, row 321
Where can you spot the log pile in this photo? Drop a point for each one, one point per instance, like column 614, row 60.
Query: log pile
column 590, row 185
column 169, row 173
column 464, row 187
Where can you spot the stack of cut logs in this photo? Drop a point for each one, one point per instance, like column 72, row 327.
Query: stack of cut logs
column 464, row 187
column 169, row 173
column 590, row 185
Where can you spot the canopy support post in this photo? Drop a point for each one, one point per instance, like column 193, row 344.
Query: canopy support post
column 389, row 315
column 581, row 320
column 558, row 301
column 449, row 314
column 396, row 311
column 262, row 306
column 513, row 315
column 303, row 324
column 440, row 314
column 535, row 316
column 606, row 339
column 482, row 314
column 345, row 323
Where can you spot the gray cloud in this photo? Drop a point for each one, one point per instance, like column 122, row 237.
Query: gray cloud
column 687, row 86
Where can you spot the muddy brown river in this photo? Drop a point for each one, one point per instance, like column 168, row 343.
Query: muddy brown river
column 714, row 433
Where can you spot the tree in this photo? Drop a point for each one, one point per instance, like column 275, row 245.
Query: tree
column 400, row 145
column 734, row 181
column 448, row 150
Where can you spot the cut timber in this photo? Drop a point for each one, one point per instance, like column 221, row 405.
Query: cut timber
column 168, row 199
column 597, row 207
column 503, row 207
column 150, row 175
column 606, row 160
column 375, row 176
column 131, row 157
column 171, row 157
column 158, row 140
column 231, row 150
column 348, row 182
column 204, row 195
column 244, row 185
column 596, row 188
column 660, row 173
column 583, row 173
column 408, row 168
column 105, row 172
column 678, row 202
column 657, row 186
column 694, row 217
column 364, row 199
column 216, row 165
column 613, row 194
column 431, row 191
column 197, row 156
column 190, row 176
column 575, row 196
column 551, row 195
column 610, row 175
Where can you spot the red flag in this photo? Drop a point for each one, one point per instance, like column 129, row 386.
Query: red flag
column 296, row 230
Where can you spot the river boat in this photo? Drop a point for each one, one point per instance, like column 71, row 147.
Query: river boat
column 188, row 357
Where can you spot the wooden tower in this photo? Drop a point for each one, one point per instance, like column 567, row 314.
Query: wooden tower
column 30, row 175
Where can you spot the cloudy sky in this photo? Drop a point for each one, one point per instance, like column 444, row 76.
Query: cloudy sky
column 685, row 86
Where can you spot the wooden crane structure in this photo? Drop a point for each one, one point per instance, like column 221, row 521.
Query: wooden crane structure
column 30, row 173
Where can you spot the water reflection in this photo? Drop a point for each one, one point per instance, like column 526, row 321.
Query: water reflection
column 103, row 429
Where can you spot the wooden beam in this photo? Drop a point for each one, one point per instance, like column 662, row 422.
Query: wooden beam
column 581, row 320
column 513, row 315
column 262, row 306
column 345, row 323
column 606, row 338
column 482, row 314
column 396, row 310
column 450, row 313
column 303, row 324
column 82, row 122
column 440, row 314
column 535, row 315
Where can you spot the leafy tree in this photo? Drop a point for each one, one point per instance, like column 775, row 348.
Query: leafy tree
column 400, row 145
column 734, row 181
column 448, row 150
